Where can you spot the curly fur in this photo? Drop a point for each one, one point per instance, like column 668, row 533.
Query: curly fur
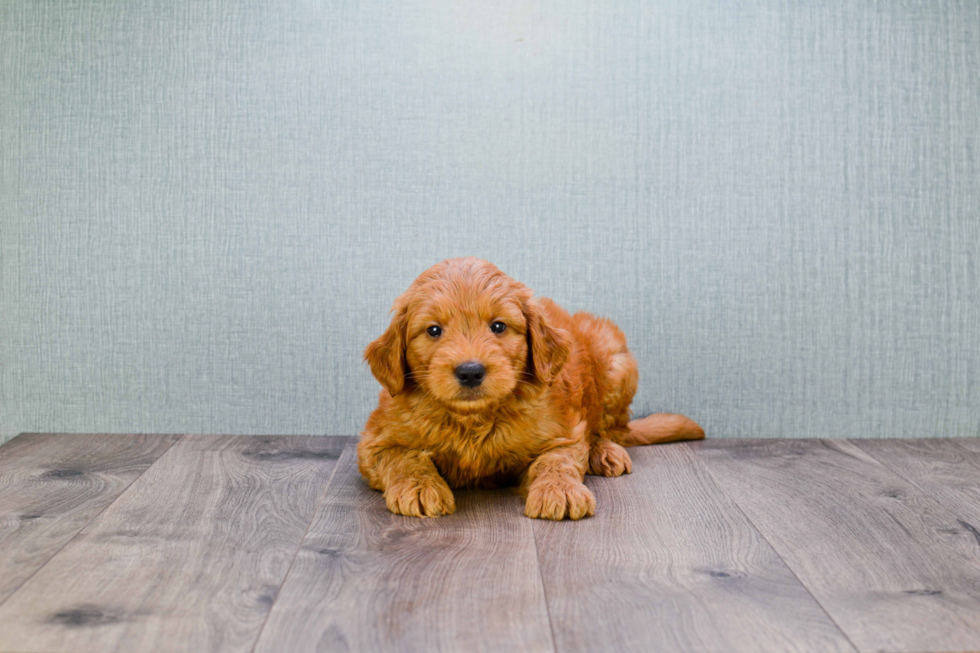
column 553, row 406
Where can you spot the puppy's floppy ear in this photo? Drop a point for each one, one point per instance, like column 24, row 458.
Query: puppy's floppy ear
column 547, row 346
column 386, row 355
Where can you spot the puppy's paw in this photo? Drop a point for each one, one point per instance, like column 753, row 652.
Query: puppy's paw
column 609, row 459
column 557, row 499
column 429, row 497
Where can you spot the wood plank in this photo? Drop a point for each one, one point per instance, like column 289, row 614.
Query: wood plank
column 970, row 444
column 889, row 563
column 669, row 563
column 52, row 485
column 368, row 580
column 190, row 558
column 941, row 467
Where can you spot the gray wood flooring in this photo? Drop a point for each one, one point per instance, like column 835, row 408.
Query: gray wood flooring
column 235, row 543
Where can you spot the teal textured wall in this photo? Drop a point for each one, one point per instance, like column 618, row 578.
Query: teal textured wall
column 208, row 206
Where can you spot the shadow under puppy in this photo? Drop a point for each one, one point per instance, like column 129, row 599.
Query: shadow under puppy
column 486, row 386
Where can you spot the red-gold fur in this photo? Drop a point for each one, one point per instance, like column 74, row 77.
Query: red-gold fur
column 554, row 403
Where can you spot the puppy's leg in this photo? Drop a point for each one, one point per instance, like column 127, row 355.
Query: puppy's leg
column 606, row 458
column 553, row 484
column 411, row 483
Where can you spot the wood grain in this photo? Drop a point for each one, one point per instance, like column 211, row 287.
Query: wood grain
column 368, row 580
column 970, row 444
column 669, row 563
column 189, row 559
column 941, row 467
column 890, row 564
column 52, row 485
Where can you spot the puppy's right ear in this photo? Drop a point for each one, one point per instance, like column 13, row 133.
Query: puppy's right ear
column 386, row 355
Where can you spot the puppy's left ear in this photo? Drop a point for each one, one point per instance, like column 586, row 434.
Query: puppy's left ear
column 547, row 346
column 386, row 355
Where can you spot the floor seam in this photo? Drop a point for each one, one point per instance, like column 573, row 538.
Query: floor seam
column 544, row 588
column 179, row 438
column 799, row 580
column 351, row 441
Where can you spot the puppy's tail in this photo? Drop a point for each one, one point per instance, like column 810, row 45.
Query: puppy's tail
column 660, row 428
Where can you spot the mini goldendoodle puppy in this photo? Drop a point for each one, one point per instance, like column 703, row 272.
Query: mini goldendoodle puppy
column 486, row 386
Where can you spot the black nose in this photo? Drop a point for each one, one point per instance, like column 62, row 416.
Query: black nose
column 470, row 374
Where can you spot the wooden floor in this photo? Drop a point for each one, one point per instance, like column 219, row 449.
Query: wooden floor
column 232, row 543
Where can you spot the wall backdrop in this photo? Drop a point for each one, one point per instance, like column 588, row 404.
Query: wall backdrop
column 208, row 206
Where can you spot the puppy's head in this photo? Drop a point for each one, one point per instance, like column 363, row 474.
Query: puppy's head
column 469, row 336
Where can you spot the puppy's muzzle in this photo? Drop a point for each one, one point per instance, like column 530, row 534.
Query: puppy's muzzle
column 470, row 374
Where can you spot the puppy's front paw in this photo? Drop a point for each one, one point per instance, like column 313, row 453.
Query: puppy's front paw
column 609, row 459
column 429, row 497
column 557, row 499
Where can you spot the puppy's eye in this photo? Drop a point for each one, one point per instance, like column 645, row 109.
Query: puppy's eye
column 434, row 331
column 498, row 327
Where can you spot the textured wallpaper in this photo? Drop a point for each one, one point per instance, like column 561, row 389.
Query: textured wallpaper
column 208, row 206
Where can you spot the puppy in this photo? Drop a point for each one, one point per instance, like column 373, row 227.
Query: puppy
column 486, row 386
